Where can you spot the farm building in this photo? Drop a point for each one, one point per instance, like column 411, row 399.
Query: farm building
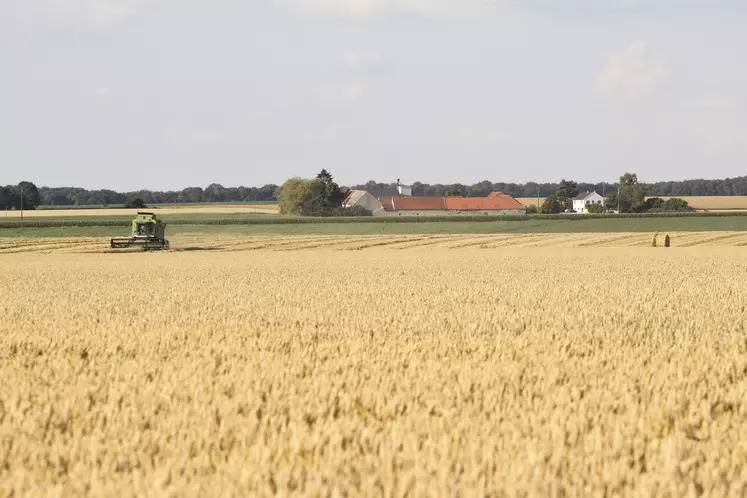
column 584, row 199
column 496, row 203
column 363, row 199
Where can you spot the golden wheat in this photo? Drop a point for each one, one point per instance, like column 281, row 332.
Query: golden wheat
column 397, row 370
column 232, row 243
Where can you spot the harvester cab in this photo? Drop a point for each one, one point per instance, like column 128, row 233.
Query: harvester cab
column 146, row 231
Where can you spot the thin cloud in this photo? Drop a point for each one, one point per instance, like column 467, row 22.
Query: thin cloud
column 347, row 92
column 631, row 72
column 98, row 13
column 361, row 59
column 367, row 8
column 716, row 101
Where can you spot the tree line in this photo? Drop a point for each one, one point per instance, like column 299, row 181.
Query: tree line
column 25, row 195
column 724, row 187
column 10, row 196
column 71, row 196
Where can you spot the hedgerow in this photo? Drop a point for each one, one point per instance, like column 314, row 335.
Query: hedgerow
column 92, row 222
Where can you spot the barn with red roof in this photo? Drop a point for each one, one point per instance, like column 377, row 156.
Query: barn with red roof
column 496, row 203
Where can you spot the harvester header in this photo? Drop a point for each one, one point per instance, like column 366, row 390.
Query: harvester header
column 147, row 231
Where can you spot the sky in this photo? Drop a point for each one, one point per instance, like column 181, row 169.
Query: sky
column 165, row 94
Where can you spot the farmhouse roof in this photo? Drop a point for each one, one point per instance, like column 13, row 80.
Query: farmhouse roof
column 494, row 202
column 353, row 197
column 418, row 203
column 582, row 196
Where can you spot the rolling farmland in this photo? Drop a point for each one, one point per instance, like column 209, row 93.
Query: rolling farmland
column 432, row 365
column 702, row 203
column 425, row 242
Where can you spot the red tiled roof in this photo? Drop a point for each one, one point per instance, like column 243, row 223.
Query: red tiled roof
column 496, row 201
column 418, row 203
column 582, row 196
column 490, row 203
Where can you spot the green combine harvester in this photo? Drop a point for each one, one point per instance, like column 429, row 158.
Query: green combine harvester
column 147, row 232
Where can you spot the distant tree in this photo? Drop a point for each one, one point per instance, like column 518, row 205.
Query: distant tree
column 28, row 195
column 325, row 176
column 333, row 194
column 565, row 193
column 109, row 197
column 6, row 198
column 675, row 204
column 298, row 195
column 214, row 192
column 567, row 189
column 654, row 203
column 136, row 203
column 553, row 205
column 191, row 194
column 267, row 193
column 595, row 208
column 418, row 188
column 532, row 209
column 632, row 194
column 303, row 197
column 482, row 189
column 318, row 197
column 631, row 197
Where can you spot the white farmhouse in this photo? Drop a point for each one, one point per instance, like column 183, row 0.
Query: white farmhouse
column 581, row 201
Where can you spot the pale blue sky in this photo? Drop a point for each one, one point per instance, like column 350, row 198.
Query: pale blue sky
column 164, row 94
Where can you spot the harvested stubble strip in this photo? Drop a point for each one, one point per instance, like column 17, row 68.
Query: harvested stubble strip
column 329, row 242
column 274, row 242
column 711, row 239
column 469, row 241
column 553, row 240
column 607, row 239
column 511, row 241
column 401, row 239
column 432, row 242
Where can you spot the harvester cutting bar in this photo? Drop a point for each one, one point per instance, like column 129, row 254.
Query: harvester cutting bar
column 145, row 243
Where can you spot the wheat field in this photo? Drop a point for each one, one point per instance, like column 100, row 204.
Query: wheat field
column 240, row 243
column 390, row 366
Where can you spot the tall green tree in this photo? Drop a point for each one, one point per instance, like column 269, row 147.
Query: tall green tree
column 333, row 194
column 553, row 205
column 675, row 204
column 325, row 176
column 28, row 195
column 564, row 194
column 6, row 198
column 654, row 203
column 630, row 196
column 214, row 192
column 567, row 189
column 318, row 197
